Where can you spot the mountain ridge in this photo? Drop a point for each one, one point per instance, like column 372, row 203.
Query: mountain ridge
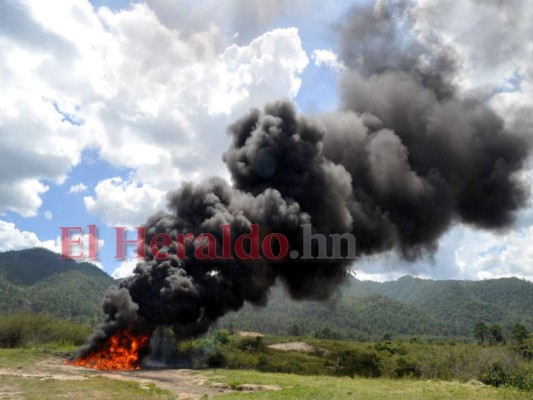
column 36, row 280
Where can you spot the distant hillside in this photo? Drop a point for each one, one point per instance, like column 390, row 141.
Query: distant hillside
column 36, row 280
column 406, row 307
column 460, row 304
column 360, row 318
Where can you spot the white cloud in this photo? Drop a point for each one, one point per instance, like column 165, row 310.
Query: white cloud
column 245, row 19
column 78, row 188
column 125, row 268
column 124, row 203
column 492, row 38
column 38, row 142
column 48, row 215
column 168, row 111
column 464, row 253
column 328, row 59
column 141, row 94
column 11, row 238
column 171, row 99
column 485, row 255
column 21, row 195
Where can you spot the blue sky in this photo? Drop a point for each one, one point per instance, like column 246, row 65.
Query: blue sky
column 68, row 208
column 113, row 90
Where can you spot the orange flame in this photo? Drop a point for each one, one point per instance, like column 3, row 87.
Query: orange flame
column 120, row 353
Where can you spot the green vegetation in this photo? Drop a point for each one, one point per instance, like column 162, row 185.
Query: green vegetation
column 89, row 388
column 496, row 334
column 23, row 330
column 407, row 307
column 481, row 332
column 36, row 338
column 23, row 357
column 519, row 334
column 460, row 304
column 356, row 318
column 493, row 365
column 402, row 366
column 405, row 333
column 37, row 281
column 329, row 387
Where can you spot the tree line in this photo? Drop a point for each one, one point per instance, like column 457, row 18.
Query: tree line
column 493, row 334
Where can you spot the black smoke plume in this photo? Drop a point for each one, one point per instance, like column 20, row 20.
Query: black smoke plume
column 406, row 157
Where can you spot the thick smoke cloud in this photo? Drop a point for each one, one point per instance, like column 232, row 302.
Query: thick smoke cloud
column 451, row 140
column 406, row 158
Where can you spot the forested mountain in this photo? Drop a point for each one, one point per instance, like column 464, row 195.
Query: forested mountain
column 460, row 304
column 406, row 307
column 36, row 280
column 361, row 318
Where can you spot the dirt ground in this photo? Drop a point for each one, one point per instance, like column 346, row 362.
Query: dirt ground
column 249, row 334
column 296, row 346
column 183, row 383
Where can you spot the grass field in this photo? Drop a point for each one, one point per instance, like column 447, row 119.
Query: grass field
column 91, row 388
column 17, row 358
column 326, row 387
column 22, row 376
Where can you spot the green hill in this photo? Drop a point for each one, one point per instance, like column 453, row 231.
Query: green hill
column 362, row 318
column 406, row 307
column 460, row 304
column 36, row 280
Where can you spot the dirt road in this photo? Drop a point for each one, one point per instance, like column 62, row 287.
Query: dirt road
column 185, row 384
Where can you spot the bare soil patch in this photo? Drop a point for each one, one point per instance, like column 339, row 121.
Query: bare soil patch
column 297, row 346
column 185, row 384
column 249, row 334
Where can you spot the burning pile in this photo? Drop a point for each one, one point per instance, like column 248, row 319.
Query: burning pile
column 120, row 353
column 406, row 158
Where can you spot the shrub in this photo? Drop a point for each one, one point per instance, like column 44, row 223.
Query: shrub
column 353, row 363
column 217, row 359
column 406, row 368
column 263, row 364
column 495, row 375
column 526, row 349
column 30, row 329
column 520, row 377
column 221, row 336
column 252, row 344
